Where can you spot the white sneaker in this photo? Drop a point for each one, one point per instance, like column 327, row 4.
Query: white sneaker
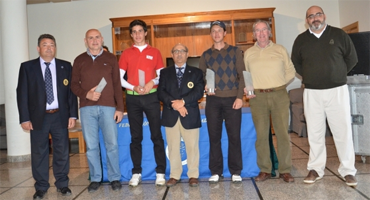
column 214, row 178
column 236, row 178
column 135, row 180
column 160, row 181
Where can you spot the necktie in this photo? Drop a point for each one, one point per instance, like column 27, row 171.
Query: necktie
column 48, row 84
column 179, row 75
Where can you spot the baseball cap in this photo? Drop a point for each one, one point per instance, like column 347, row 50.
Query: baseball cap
column 219, row 23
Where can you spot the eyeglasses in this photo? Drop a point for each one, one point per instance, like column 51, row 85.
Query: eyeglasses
column 261, row 30
column 312, row 16
column 182, row 51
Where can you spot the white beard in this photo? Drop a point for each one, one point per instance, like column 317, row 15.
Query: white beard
column 314, row 27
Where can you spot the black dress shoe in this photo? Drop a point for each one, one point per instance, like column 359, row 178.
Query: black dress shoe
column 116, row 185
column 93, row 186
column 65, row 191
column 39, row 194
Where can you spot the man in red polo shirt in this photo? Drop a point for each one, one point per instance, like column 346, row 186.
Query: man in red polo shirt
column 142, row 63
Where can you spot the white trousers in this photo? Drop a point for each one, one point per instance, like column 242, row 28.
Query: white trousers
column 334, row 105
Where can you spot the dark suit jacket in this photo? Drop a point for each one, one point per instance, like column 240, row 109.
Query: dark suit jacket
column 191, row 90
column 31, row 95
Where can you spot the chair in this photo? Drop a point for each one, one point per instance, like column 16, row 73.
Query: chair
column 297, row 119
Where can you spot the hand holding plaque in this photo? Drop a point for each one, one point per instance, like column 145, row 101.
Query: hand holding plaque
column 248, row 83
column 141, row 80
column 210, row 78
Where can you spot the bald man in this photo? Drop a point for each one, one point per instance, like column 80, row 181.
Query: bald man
column 323, row 55
column 99, row 109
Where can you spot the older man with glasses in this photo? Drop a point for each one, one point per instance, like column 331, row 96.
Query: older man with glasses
column 323, row 55
column 271, row 70
column 180, row 87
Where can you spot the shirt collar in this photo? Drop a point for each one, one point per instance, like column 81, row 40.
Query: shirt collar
column 52, row 62
column 184, row 65
column 268, row 45
column 92, row 56
column 225, row 47
column 318, row 35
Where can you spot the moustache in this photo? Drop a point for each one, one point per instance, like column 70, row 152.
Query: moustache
column 317, row 21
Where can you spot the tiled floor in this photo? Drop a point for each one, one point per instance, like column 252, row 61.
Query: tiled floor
column 16, row 182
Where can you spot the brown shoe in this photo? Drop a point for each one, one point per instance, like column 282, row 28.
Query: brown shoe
column 287, row 177
column 262, row 176
column 193, row 182
column 350, row 180
column 172, row 182
column 312, row 177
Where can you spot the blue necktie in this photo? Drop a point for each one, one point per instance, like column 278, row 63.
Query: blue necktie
column 179, row 75
column 48, row 84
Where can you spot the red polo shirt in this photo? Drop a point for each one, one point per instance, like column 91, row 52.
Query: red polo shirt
column 149, row 60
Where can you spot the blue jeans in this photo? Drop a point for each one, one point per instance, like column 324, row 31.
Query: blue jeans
column 93, row 118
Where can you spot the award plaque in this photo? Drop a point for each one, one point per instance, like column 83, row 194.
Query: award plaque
column 248, row 83
column 101, row 85
column 210, row 78
column 141, row 78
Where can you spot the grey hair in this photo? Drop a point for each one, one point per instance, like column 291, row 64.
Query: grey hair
column 261, row 21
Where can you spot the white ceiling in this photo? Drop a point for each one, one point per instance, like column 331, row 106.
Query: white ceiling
column 47, row 1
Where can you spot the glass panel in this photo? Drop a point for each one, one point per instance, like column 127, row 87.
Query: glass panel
column 244, row 32
column 123, row 39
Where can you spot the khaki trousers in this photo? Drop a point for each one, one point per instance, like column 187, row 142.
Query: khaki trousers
column 191, row 139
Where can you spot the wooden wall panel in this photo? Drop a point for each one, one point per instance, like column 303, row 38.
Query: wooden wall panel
column 192, row 30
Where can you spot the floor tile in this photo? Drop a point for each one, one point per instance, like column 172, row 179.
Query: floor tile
column 14, row 177
column 16, row 165
column 362, row 168
column 16, row 181
column 330, row 187
column 142, row 191
column 225, row 189
column 3, row 189
column 78, row 160
column 78, row 177
column 363, row 184
column 28, row 192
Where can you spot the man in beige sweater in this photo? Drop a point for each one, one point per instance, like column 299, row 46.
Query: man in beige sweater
column 271, row 70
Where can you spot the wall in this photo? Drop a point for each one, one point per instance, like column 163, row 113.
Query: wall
column 355, row 10
column 69, row 21
column 2, row 91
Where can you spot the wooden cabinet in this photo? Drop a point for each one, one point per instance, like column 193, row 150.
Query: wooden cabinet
column 192, row 30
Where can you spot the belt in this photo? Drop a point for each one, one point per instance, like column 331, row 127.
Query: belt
column 130, row 92
column 270, row 89
column 52, row 111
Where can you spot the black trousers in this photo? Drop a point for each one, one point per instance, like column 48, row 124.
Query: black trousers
column 149, row 104
column 40, row 153
column 217, row 110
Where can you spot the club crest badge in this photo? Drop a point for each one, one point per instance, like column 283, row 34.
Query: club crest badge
column 65, row 82
column 190, row 85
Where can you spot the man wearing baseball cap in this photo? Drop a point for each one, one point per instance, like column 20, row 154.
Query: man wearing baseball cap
column 224, row 103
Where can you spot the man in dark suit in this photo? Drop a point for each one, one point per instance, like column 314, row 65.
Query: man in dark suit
column 47, row 105
column 180, row 87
